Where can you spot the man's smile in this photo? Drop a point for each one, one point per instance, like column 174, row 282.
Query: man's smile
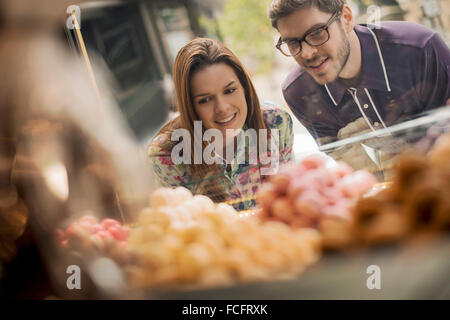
column 317, row 65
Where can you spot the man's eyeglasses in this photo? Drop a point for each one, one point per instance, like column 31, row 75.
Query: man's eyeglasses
column 314, row 38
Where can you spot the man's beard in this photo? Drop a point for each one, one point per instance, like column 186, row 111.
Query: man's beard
column 343, row 53
column 342, row 57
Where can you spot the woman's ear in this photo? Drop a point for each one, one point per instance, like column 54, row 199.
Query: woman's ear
column 347, row 19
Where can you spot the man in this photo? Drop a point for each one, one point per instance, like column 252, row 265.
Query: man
column 354, row 78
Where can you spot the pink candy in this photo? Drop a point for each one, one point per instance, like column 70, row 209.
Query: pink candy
column 108, row 223
column 357, row 183
column 95, row 232
column 118, row 233
column 313, row 162
column 301, row 194
column 340, row 170
column 309, row 203
column 340, row 210
column 282, row 209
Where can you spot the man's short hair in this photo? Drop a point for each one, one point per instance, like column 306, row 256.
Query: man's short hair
column 282, row 8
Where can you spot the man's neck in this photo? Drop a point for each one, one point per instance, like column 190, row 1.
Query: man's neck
column 354, row 63
column 353, row 82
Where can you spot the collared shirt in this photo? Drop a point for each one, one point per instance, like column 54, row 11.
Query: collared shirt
column 243, row 180
column 405, row 71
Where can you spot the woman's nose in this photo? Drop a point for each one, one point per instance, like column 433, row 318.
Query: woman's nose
column 222, row 105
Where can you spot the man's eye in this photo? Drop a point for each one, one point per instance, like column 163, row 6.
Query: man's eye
column 230, row 90
column 293, row 44
column 316, row 34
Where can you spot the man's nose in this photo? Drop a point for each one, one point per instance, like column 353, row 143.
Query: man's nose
column 308, row 51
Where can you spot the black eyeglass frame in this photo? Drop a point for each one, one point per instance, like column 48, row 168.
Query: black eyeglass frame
column 325, row 27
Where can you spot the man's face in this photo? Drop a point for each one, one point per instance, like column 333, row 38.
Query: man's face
column 324, row 63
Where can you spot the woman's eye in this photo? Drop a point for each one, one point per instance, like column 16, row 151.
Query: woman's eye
column 230, row 90
column 203, row 100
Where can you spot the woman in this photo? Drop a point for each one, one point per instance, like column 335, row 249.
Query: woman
column 212, row 87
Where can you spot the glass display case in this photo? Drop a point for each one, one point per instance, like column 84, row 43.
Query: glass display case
column 375, row 151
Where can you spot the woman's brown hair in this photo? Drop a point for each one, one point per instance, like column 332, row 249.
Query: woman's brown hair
column 194, row 56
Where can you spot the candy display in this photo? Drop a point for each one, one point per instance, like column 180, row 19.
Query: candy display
column 88, row 234
column 418, row 200
column 312, row 194
column 183, row 241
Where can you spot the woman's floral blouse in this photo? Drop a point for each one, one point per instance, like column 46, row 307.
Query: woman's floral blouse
column 243, row 180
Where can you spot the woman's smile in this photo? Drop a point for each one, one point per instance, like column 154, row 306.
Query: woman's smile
column 227, row 121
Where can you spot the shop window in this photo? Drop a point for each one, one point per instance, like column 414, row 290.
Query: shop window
column 116, row 34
